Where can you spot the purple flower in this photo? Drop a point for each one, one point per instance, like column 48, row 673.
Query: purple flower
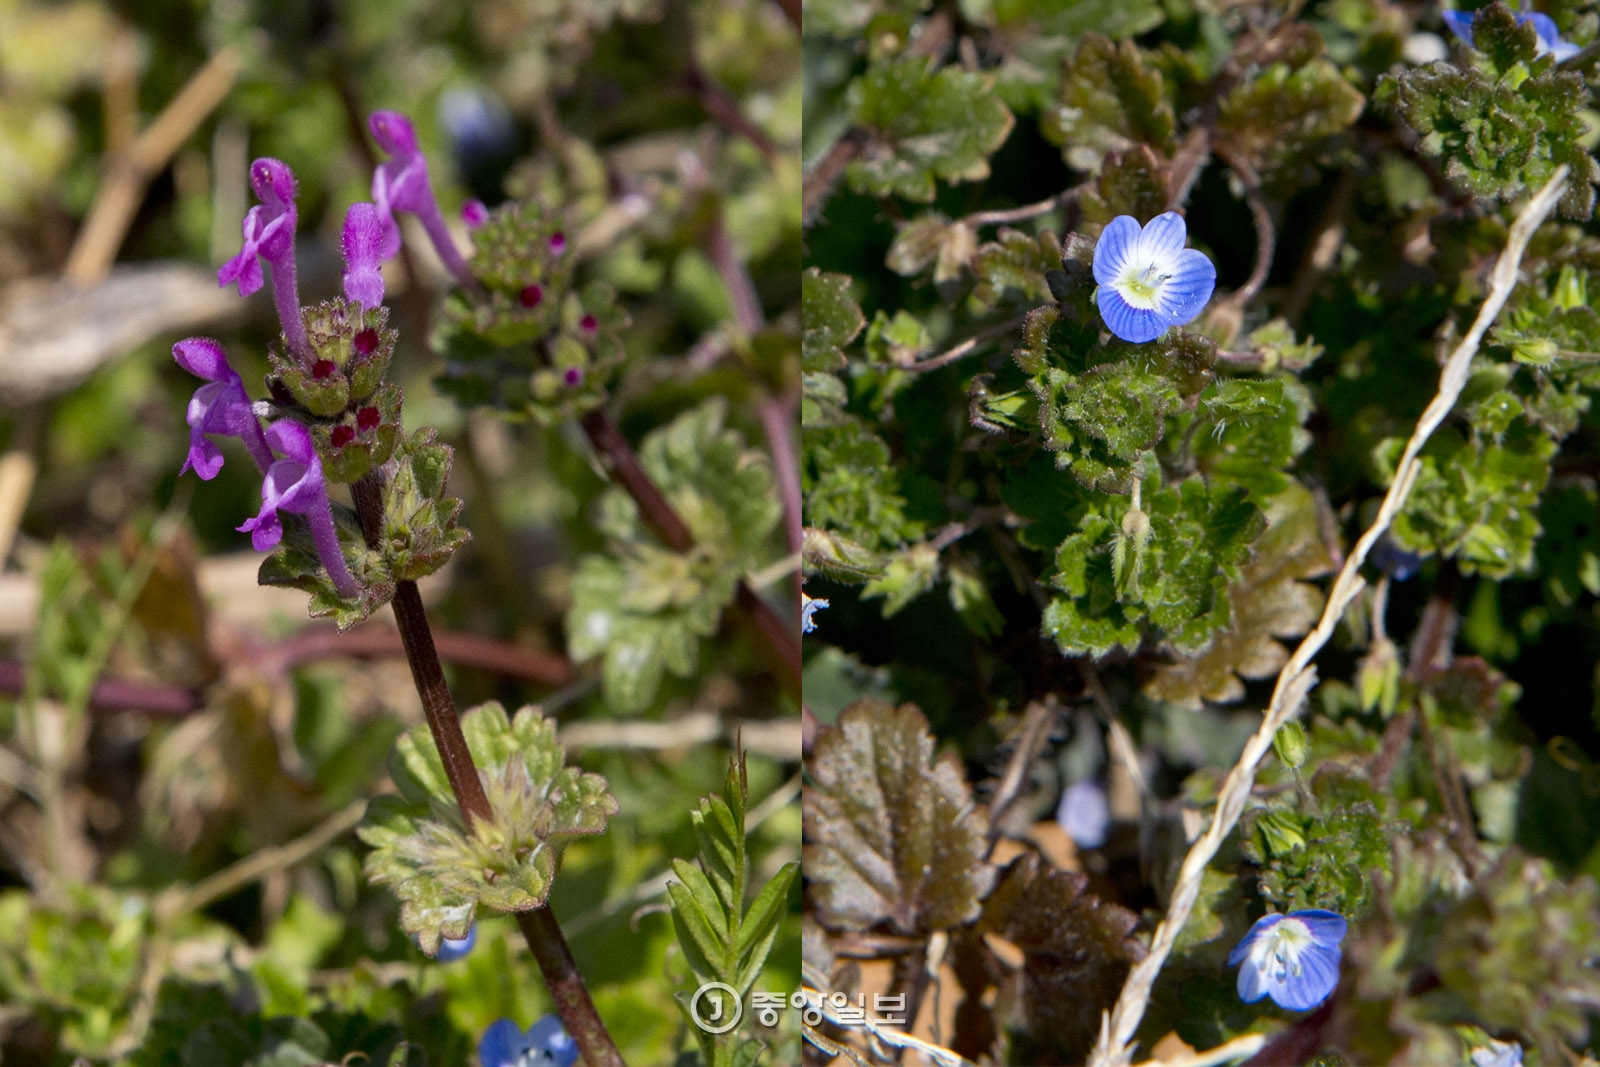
column 1294, row 958
column 363, row 255
column 401, row 184
column 546, row 1044
column 1148, row 280
column 294, row 484
column 269, row 235
column 453, row 948
column 1084, row 814
column 1548, row 38
column 219, row 407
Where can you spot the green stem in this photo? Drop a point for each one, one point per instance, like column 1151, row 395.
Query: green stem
column 539, row 926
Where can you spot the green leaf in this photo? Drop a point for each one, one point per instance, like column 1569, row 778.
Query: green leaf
column 1015, row 263
column 852, row 489
column 907, row 576
column 1280, row 119
column 1110, row 100
column 894, row 835
column 1270, row 601
column 1503, row 122
column 440, row 870
column 829, row 320
column 921, row 125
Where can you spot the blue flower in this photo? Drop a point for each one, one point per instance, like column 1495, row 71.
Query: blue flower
column 546, row 1044
column 1544, row 27
column 1393, row 560
column 1084, row 814
column 809, row 606
column 1294, row 958
column 1498, row 1054
column 1148, row 280
column 453, row 948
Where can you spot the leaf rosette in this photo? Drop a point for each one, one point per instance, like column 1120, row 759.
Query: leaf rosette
column 441, row 869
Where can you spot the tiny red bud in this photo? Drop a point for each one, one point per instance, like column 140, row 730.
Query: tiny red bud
column 366, row 341
column 558, row 242
column 342, row 435
column 588, row 324
column 530, row 296
column 368, row 419
column 323, row 368
column 573, row 376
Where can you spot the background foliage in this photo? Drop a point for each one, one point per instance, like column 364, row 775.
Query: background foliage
column 1034, row 537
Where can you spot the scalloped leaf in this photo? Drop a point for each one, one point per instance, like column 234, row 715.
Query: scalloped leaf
column 894, row 836
column 441, row 871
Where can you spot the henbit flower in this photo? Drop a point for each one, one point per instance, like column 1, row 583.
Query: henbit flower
column 1294, row 958
column 1498, row 1054
column 1085, row 814
column 269, row 234
column 453, row 948
column 809, row 606
column 401, row 184
column 363, row 254
column 474, row 214
column 546, row 1044
column 222, row 406
column 1148, row 279
column 294, row 484
column 1548, row 43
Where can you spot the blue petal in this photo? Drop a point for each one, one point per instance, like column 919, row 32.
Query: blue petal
column 1114, row 249
column 1319, row 973
column 1460, row 23
column 1126, row 321
column 454, row 948
column 1327, row 927
column 1163, row 238
column 1242, row 949
column 1190, row 283
column 1252, row 983
column 501, row 1045
column 550, row 1037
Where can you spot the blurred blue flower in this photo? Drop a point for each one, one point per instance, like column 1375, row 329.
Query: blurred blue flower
column 546, row 1044
column 1084, row 814
column 1148, row 279
column 1294, row 958
column 1393, row 560
column 453, row 948
column 1498, row 1054
column 1549, row 38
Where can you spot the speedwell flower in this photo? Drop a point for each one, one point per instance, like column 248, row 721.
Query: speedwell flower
column 1498, row 1054
column 1294, row 958
column 222, row 406
column 809, row 606
column 1544, row 27
column 546, row 1044
column 454, row 948
column 1085, row 813
column 269, row 234
column 294, row 484
column 1148, row 280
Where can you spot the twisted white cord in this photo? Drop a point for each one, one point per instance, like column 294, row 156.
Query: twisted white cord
column 1114, row 1048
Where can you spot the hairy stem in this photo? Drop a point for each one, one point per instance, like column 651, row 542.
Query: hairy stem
column 539, row 926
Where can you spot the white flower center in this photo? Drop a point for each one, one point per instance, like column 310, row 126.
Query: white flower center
column 1141, row 287
column 1278, row 952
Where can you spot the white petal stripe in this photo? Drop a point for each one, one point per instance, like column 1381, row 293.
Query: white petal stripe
column 1115, row 248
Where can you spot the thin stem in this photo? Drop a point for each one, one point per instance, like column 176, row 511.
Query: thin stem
column 955, row 352
column 623, row 464
column 539, row 927
column 1027, row 211
column 777, row 419
column 1266, row 237
column 567, row 989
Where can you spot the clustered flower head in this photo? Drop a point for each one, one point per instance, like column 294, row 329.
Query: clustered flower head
column 326, row 384
column 1544, row 27
column 1148, row 280
column 1293, row 958
column 546, row 1044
